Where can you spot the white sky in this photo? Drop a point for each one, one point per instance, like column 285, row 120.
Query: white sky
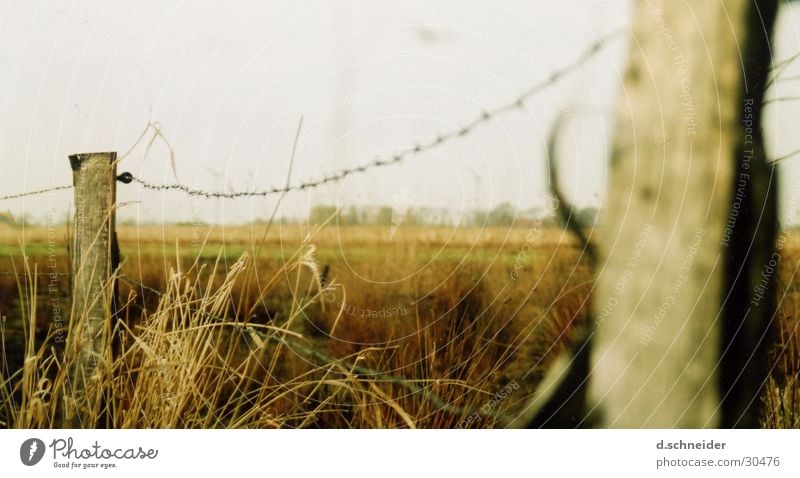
column 228, row 82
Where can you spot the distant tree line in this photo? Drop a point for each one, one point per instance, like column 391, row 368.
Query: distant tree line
column 9, row 219
column 503, row 215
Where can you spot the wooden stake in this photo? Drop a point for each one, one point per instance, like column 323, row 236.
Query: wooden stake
column 94, row 181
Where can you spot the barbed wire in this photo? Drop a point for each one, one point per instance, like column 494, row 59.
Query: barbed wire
column 37, row 274
column 35, row 193
column 131, row 281
column 377, row 161
column 380, row 161
column 418, row 148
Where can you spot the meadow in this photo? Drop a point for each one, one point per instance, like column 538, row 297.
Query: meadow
column 334, row 326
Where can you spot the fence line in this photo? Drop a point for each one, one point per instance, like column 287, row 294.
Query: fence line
column 35, row 193
column 133, row 282
column 418, row 148
column 376, row 161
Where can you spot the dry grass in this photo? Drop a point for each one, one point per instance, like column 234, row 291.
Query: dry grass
column 782, row 390
column 347, row 327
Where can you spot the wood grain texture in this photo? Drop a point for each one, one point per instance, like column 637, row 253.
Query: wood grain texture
column 94, row 181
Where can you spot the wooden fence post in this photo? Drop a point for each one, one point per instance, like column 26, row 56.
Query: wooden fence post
column 88, row 353
column 658, row 356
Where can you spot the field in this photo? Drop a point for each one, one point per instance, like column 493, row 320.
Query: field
column 286, row 326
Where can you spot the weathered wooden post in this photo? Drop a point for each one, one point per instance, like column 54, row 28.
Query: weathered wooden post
column 88, row 353
column 682, row 309
column 684, row 163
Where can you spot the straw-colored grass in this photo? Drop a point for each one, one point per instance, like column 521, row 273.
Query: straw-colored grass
column 288, row 333
column 782, row 391
column 341, row 327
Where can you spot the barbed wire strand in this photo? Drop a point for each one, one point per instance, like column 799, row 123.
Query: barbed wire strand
column 379, row 161
column 37, row 274
column 131, row 281
column 35, row 193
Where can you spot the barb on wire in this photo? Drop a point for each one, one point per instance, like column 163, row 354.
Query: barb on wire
column 35, row 193
column 379, row 161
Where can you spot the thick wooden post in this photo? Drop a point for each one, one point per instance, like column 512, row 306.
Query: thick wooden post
column 658, row 308
column 88, row 353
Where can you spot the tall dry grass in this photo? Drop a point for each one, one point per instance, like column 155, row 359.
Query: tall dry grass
column 781, row 395
column 293, row 335
column 226, row 344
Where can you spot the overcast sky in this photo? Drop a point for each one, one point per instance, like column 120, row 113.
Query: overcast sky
column 228, row 82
